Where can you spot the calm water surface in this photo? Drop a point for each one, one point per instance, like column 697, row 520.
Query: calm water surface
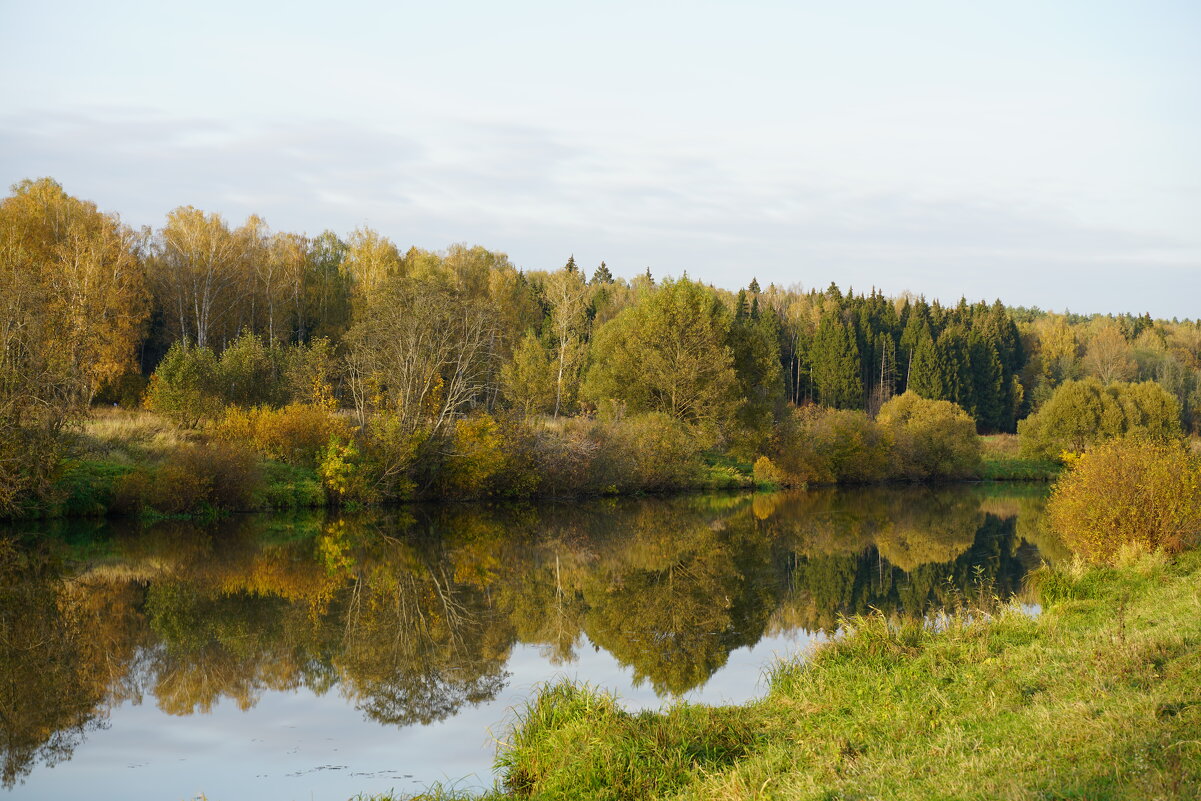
column 318, row 657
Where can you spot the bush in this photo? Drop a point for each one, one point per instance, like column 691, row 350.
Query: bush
column 851, row 445
column 378, row 463
column 343, row 473
column 766, row 472
column 488, row 457
column 565, row 457
column 296, row 434
column 250, row 373
column 931, row 439
column 194, row 479
column 1081, row 414
column 792, row 448
column 649, row 453
column 183, row 386
column 1131, row 490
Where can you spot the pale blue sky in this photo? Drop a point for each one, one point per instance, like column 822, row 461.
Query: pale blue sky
column 1044, row 152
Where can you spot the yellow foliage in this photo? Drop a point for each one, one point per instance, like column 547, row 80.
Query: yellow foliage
column 766, row 472
column 295, row 434
column 340, row 466
column 1129, row 491
column 477, row 455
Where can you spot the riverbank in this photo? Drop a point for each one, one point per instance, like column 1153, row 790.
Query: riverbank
column 137, row 462
column 1099, row 696
column 1001, row 460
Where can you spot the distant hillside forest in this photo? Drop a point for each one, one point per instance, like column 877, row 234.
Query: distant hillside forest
column 250, row 317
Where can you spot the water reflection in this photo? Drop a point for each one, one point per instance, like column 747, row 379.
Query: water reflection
column 412, row 615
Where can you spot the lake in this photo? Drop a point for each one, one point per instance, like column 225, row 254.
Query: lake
column 318, row 656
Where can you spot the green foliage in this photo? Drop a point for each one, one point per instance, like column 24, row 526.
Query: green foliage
column 89, row 488
column 836, row 365
column 185, row 385
column 668, row 353
column 250, row 373
column 754, row 344
column 931, row 438
column 1081, row 414
column 288, row 486
column 1129, row 491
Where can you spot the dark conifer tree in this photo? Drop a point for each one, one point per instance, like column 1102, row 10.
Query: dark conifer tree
column 602, row 275
column 925, row 374
column 988, row 384
column 836, row 365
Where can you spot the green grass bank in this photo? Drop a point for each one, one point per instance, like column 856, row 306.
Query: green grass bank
column 1098, row 697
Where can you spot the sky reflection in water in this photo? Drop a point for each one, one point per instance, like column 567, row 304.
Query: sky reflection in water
column 308, row 656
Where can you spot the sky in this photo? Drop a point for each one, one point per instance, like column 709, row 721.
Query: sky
column 1043, row 153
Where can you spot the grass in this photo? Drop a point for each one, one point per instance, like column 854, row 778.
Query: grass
column 1098, row 697
column 1002, row 461
column 724, row 472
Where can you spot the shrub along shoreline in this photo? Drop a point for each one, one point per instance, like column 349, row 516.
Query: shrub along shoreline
column 1099, row 696
column 308, row 456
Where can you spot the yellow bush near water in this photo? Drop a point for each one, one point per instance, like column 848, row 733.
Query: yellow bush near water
column 295, row 434
column 1129, row 491
column 931, row 438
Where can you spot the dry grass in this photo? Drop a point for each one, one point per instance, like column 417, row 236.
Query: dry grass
column 128, row 436
column 1001, row 446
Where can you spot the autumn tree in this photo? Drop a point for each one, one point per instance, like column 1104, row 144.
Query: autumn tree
column 528, row 379
column 420, row 351
column 1108, row 355
column 567, row 294
column 72, row 310
column 196, row 273
column 369, row 259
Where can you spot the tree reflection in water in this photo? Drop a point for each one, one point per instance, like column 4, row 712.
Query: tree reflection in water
column 411, row 615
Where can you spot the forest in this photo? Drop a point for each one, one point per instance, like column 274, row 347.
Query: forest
column 347, row 370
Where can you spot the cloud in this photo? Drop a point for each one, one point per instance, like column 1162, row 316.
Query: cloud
column 541, row 194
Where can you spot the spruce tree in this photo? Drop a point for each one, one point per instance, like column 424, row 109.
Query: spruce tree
column 925, row 375
column 988, row 383
column 836, row 365
column 602, row 275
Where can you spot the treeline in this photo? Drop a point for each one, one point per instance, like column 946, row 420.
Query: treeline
column 198, row 316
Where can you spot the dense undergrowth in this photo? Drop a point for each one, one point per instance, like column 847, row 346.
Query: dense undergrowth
column 136, row 462
column 1097, row 697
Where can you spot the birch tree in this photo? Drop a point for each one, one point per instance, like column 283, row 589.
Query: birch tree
column 567, row 294
column 195, row 273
